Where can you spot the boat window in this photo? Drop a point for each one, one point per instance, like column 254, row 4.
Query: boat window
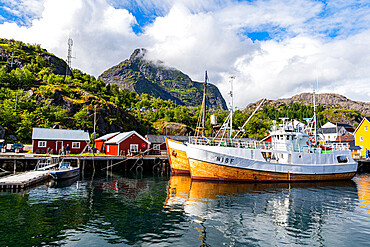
column 342, row 159
column 287, row 137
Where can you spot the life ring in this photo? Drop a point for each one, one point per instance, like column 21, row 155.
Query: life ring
column 311, row 139
column 143, row 145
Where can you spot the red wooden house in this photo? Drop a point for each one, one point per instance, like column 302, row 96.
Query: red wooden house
column 55, row 140
column 100, row 142
column 126, row 143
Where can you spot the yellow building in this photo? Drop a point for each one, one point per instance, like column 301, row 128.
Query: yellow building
column 362, row 136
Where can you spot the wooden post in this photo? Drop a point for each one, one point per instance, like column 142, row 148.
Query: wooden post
column 107, row 167
column 15, row 165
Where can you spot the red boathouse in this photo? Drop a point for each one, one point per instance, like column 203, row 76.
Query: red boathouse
column 126, row 143
column 55, row 140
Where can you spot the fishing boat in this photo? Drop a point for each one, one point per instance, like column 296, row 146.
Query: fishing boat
column 289, row 157
column 64, row 171
column 292, row 154
column 177, row 156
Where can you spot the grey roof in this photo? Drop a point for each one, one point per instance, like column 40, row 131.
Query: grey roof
column 60, row 134
column 160, row 138
column 123, row 136
column 327, row 130
column 155, row 138
column 107, row 136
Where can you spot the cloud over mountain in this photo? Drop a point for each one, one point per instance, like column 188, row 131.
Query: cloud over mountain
column 273, row 48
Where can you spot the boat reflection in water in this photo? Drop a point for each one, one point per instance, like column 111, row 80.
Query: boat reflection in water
column 64, row 183
column 265, row 213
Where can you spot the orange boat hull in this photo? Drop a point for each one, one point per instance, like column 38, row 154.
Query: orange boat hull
column 201, row 170
column 179, row 161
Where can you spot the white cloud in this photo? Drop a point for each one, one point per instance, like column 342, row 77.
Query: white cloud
column 102, row 35
column 194, row 36
column 195, row 43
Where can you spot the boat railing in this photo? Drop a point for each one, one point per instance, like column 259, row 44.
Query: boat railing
column 46, row 163
column 229, row 143
column 336, row 146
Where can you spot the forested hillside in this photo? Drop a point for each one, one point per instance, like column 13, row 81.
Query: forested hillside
column 35, row 92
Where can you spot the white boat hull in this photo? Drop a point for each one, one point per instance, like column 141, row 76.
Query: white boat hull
column 229, row 163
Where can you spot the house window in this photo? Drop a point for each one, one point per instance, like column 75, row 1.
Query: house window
column 134, row 148
column 365, row 128
column 42, row 144
column 75, row 145
column 361, row 138
column 157, row 147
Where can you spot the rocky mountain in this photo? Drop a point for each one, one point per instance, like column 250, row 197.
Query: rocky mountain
column 141, row 75
column 16, row 54
column 337, row 107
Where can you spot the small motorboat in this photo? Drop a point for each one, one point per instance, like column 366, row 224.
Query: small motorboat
column 64, row 171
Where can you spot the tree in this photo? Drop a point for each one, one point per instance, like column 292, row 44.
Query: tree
column 82, row 119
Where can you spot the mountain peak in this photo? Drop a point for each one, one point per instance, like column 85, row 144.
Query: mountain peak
column 138, row 54
column 142, row 75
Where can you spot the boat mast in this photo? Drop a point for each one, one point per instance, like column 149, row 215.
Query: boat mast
column 231, row 106
column 314, row 117
column 204, row 104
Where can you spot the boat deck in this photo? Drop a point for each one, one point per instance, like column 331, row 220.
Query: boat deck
column 22, row 180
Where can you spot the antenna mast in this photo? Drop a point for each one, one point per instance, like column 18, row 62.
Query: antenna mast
column 69, row 56
column 231, row 106
column 314, row 117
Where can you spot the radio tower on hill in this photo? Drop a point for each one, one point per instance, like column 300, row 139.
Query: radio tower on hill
column 69, row 56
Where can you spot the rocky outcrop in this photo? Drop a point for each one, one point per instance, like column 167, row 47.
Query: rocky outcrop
column 21, row 54
column 335, row 104
column 330, row 100
column 141, row 75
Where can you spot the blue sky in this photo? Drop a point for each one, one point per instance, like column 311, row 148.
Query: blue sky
column 274, row 48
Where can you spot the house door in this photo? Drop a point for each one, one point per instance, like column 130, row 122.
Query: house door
column 58, row 147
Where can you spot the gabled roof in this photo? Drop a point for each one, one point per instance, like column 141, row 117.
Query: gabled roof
column 107, row 136
column 59, row 134
column 123, row 136
column 365, row 118
column 337, row 125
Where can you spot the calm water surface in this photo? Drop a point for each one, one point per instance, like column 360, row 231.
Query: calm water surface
column 174, row 211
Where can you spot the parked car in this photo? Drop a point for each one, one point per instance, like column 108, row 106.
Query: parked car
column 2, row 145
column 16, row 147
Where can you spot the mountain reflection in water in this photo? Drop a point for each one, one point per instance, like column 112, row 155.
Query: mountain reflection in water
column 175, row 211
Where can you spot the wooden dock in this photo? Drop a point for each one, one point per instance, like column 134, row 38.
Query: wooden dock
column 22, row 180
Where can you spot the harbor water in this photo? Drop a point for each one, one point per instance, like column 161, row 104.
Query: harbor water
column 153, row 210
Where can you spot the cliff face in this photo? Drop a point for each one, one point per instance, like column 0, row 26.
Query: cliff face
column 143, row 76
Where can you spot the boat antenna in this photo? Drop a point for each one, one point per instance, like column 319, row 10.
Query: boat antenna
column 231, row 106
